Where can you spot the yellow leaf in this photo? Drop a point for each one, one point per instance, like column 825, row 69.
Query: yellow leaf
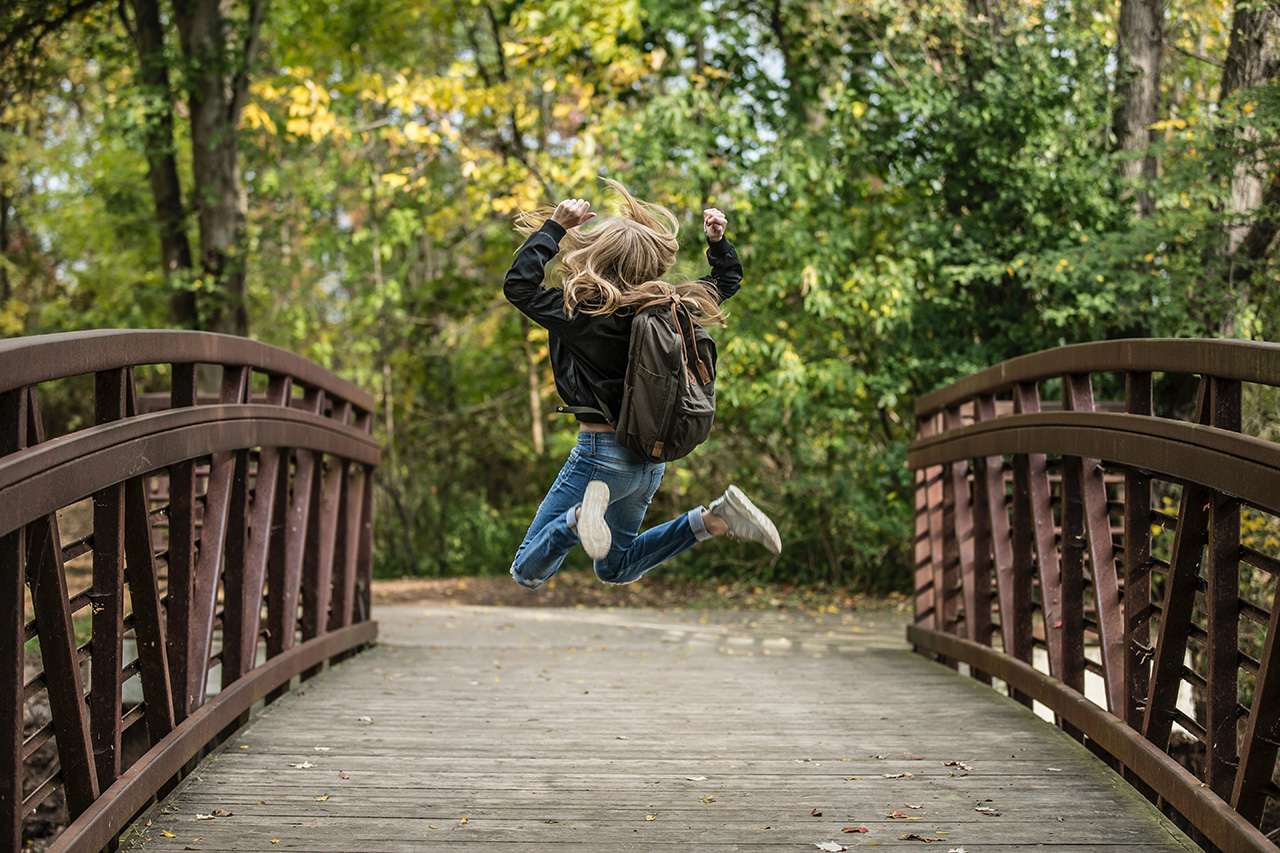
column 464, row 820
column 275, row 841
column 549, row 85
column 168, row 834
column 651, row 817
column 324, row 798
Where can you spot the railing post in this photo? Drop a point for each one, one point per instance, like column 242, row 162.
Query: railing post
column 1101, row 551
column 1039, row 518
column 1137, row 563
column 13, row 421
column 993, row 550
column 1222, row 597
column 181, row 555
column 1179, row 599
column 48, row 581
column 107, row 659
column 926, row 594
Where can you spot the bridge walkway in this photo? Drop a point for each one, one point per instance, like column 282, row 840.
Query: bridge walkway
column 639, row 730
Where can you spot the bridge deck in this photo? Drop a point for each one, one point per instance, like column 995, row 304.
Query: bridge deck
column 624, row 730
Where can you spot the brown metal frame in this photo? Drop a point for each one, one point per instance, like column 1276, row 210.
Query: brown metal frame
column 233, row 533
column 1022, row 500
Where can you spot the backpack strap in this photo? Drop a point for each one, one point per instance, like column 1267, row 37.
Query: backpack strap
column 677, row 306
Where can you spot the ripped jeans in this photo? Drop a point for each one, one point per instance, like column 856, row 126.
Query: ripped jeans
column 632, row 483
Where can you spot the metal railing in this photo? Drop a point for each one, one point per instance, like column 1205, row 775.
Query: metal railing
column 1052, row 535
column 222, row 545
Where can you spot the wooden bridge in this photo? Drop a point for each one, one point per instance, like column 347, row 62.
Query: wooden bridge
column 1100, row 563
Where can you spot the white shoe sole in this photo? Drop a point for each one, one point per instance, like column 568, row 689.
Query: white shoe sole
column 593, row 531
column 744, row 507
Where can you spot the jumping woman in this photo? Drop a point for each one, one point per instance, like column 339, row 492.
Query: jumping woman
column 601, row 494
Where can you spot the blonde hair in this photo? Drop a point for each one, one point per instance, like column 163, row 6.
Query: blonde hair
column 618, row 262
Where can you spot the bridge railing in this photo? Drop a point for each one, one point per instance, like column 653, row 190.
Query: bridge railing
column 167, row 566
column 1091, row 548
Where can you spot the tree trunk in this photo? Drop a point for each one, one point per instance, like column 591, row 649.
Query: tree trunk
column 216, row 93
column 1251, row 61
column 535, row 388
column 1141, row 36
column 162, row 167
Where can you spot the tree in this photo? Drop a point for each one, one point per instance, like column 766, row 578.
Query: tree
column 1141, row 43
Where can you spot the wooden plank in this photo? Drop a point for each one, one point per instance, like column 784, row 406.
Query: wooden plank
column 566, row 730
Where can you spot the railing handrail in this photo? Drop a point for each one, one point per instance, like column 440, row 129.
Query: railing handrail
column 265, row 503
column 1242, row 361
column 1006, row 551
column 42, row 358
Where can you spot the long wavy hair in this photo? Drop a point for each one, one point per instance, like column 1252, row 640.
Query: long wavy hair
column 618, row 263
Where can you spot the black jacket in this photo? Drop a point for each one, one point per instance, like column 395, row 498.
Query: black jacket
column 589, row 352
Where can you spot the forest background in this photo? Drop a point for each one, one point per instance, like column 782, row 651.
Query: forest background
column 917, row 190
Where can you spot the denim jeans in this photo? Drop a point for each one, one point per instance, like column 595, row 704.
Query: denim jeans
column 632, row 483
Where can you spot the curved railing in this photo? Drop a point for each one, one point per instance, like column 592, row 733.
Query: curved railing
column 1036, row 533
column 172, row 559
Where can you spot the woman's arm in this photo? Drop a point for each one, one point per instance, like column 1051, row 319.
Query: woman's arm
column 726, row 269
column 523, row 284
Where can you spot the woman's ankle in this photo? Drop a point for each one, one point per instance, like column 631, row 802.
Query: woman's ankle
column 714, row 524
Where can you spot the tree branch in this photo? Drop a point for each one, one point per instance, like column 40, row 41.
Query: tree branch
column 240, row 86
column 1192, row 55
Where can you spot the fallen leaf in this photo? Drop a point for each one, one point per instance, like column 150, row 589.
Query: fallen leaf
column 831, row 847
column 696, row 778
column 651, row 817
column 913, row 837
column 275, row 841
column 709, row 798
column 897, row 815
column 899, row 775
column 306, row 765
column 168, row 834
column 342, row 775
column 324, row 798
column 959, row 764
column 854, row 829
column 987, row 810
column 432, row 826
column 912, row 806
column 957, row 850
column 622, row 737
column 816, row 813
column 364, row 719
column 321, row 748
column 462, row 822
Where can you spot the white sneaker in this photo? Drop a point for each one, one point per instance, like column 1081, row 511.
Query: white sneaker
column 593, row 531
column 746, row 522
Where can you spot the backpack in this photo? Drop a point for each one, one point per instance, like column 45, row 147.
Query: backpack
column 669, row 395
